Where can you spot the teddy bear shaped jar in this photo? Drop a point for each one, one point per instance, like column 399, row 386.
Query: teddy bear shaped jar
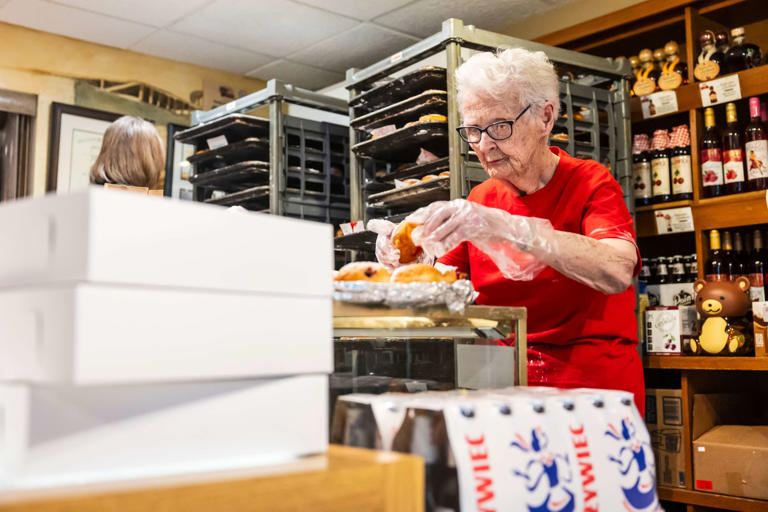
column 724, row 327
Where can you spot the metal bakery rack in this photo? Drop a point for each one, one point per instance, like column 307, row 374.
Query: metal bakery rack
column 419, row 81
column 284, row 165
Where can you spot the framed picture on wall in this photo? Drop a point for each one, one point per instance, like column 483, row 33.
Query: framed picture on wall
column 177, row 169
column 73, row 145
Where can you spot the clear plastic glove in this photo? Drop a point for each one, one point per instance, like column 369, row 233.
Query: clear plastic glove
column 509, row 240
column 386, row 253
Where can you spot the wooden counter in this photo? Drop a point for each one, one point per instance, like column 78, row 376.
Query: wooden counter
column 344, row 479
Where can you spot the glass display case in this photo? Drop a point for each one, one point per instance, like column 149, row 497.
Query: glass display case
column 379, row 349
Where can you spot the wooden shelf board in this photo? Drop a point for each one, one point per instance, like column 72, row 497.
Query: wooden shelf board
column 753, row 82
column 708, row 499
column 731, row 211
column 664, row 206
column 706, row 363
column 666, row 22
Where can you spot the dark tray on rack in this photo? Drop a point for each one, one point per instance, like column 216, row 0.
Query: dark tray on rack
column 418, row 170
column 233, row 177
column 428, row 102
column 431, row 77
column 235, row 127
column 414, row 196
column 403, row 145
column 245, row 150
column 356, row 241
column 243, row 198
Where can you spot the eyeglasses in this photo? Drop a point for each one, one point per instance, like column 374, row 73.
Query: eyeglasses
column 499, row 130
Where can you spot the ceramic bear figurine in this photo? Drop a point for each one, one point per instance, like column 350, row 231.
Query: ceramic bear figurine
column 723, row 307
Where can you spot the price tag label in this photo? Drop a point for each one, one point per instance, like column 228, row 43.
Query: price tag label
column 396, row 57
column 674, row 220
column 658, row 104
column 721, row 90
column 229, row 107
column 217, row 142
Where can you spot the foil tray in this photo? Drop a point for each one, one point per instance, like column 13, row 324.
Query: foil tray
column 455, row 296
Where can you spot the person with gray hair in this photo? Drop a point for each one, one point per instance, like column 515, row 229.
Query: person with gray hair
column 547, row 231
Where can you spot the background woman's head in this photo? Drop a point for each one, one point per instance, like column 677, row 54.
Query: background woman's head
column 131, row 154
column 494, row 87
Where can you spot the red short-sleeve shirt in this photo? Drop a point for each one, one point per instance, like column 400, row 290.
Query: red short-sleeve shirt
column 578, row 336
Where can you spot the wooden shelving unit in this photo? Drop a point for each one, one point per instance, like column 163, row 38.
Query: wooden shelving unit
column 651, row 24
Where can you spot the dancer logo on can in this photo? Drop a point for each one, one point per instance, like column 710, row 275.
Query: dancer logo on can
column 547, row 475
column 635, row 463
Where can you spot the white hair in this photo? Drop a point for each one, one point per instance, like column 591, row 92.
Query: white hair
column 513, row 75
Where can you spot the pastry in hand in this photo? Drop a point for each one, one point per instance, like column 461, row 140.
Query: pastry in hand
column 401, row 239
column 421, row 273
column 363, row 271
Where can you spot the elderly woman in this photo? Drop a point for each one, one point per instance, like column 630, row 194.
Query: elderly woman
column 547, row 231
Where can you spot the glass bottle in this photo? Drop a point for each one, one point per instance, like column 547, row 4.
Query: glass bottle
column 662, row 271
column 722, row 41
column 717, row 264
column 742, row 55
column 711, row 157
column 674, row 65
column 756, row 148
column 693, row 267
column 641, row 170
column 709, row 55
column 757, row 268
column 660, row 167
column 649, row 74
column 733, row 155
column 738, row 256
column 634, row 61
column 677, row 269
column 680, row 163
column 730, row 258
column 644, row 277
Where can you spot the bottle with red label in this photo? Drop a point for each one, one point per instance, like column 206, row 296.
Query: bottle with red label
column 662, row 190
column 641, row 169
column 756, row 148
column 733, row 155
column 711, row 157
column 680, row 163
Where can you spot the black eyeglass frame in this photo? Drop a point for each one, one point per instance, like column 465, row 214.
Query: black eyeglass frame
column 485, row 130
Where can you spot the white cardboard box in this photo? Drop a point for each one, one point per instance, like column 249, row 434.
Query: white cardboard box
column 99, row 334
column 55, row 436
column 668, row 327
column 111, row 236
column 671, row 294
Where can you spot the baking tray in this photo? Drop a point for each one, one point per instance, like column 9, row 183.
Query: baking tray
column 403, row 145
column 233, row 177
column 430, row 77
column 418, row 170
column 429, row 102
column 362, row 240
column 414, row 196
column 242, row 198
column 235, row 127
column 245, row 150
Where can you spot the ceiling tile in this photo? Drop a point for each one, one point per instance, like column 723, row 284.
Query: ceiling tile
column 297, row 74
column 75, row 23
column 275, row 27
column 359, row 47
column 182, row 47
column 149, row 12
column 424, row 17
column 362, row 10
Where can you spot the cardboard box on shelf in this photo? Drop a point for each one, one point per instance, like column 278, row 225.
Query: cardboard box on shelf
column 671, row 294
column 730, row 445
column 665, row 425
column 668, row 327
column 760, row 323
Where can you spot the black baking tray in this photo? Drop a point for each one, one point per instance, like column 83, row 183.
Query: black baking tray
column 418, row 170
column 249, row 149
column 404, row 145
column 414, row 196
column 233, row 177
column 432, row 101
column 356, row 241
column 248, row 198
column 430, row 77
column 235, row 127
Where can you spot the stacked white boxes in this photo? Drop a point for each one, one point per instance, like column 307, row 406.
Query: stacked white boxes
column 141, row 336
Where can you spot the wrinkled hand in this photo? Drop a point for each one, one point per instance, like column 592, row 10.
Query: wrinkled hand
column 507, row 239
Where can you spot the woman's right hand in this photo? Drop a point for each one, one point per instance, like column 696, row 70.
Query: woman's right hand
column 386, row 252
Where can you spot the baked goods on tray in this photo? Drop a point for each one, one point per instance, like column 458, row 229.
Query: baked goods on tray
column 421, row 273
column 363, row 271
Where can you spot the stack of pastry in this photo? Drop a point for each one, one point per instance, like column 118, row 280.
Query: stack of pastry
column 377, row 273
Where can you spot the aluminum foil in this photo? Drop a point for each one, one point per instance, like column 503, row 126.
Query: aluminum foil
column 455, row 296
